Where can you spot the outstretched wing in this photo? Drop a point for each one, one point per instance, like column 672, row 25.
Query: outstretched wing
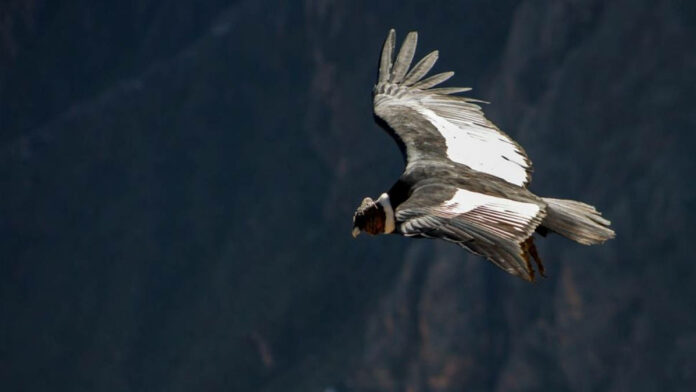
column 491, row 226
column 430, row 123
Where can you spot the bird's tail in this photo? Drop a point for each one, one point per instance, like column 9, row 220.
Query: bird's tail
column 576, row 221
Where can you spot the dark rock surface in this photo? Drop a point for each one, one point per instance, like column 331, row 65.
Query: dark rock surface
column 177, row 182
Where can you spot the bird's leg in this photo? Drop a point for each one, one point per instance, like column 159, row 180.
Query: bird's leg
column 533, row 251
column 527, row 261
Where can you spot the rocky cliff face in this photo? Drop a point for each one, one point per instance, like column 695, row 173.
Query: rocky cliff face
column 178, row 184
column 593, row 89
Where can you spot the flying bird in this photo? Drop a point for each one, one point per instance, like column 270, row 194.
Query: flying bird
column 465, row 180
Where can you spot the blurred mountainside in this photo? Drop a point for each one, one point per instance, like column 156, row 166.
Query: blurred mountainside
column 177, row 183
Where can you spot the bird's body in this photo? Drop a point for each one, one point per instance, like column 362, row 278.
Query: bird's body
column 465, row 181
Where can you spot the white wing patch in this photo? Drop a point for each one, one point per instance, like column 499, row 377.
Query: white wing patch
column 495, row 213
column 479, row 147
column 470, row 139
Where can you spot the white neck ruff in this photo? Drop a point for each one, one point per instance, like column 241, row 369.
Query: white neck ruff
column 389, row 224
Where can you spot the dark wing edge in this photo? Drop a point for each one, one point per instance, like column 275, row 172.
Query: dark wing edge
column 486, row 230
column 396, row 73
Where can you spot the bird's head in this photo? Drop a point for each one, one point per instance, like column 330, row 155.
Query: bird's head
column 369, row 217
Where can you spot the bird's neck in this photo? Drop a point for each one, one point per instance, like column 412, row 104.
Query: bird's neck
column 389, row 222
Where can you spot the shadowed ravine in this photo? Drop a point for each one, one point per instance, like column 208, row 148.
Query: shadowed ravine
column 178, row 183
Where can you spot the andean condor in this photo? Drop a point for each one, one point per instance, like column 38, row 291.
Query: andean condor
column 465, row 180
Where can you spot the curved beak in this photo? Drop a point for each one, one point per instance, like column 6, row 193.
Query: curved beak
column 356, row 231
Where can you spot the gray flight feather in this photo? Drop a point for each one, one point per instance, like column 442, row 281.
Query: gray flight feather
column 433, row 80
column 421, row 68
column 450, row 90
column 403, row 60
column 385, row 63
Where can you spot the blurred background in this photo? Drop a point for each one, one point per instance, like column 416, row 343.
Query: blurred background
column 177, row 182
